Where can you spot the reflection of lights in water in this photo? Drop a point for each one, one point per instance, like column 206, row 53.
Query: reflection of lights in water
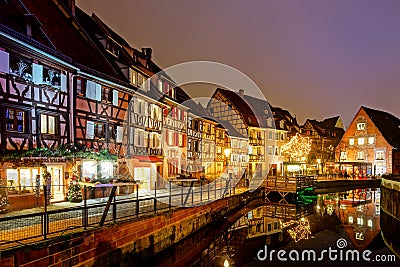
column 226, row 263
column 329, row 209
column 299, row 232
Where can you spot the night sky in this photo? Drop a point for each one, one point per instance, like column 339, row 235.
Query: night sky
column 316, row 59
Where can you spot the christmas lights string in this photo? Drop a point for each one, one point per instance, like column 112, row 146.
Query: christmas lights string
column 297, row 147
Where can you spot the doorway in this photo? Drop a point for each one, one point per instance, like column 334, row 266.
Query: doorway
column 57, row 180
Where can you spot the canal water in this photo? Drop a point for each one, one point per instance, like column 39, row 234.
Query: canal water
column 329, row 229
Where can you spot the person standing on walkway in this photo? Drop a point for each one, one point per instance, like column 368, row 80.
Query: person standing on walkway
column 47, row 182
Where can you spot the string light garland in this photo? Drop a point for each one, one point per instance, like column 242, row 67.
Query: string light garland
column 297, row 147
column 298, row 230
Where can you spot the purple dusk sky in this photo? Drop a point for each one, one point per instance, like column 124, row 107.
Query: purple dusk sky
column 316, row 59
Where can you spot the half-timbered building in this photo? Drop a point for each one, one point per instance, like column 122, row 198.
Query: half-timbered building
column 250, row 121
column 370, row 145
column 324, row 135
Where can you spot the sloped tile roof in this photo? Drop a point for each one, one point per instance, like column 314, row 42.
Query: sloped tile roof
column 66, row 38
column 387, row 124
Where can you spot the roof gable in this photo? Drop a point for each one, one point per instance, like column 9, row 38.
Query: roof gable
column 387, row 124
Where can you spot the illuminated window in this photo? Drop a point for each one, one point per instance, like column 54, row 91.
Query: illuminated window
column 23, row 181
column 15, row 120
column 359, row 236
column 360, row 221
column 350, row 219
column 369, row 223
column 47, row 124
column 106, row 169
column 361, row 141
column 351, row 141
column 160, row 85
column 360, row 155
column 343, row 155
column 132, row 77
column 89, row 168
column 371, row 140
column 140, row 79
column 361, row 126
column 380, row 155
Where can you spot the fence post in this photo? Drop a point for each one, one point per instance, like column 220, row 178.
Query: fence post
column 182, row 195
column 85, row 211
column 208, row 191
column 192, row 193
column 137, row 200
column 215, row 189
column 115, row 206
column 155, row 197
column 169, row 197
column 45, row 217
column 201, row 191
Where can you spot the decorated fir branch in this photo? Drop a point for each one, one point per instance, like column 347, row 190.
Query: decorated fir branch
column 68, row 152
column 4, row 204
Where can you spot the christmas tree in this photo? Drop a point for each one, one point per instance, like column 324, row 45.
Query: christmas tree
column 74, row 192
column 4, row 205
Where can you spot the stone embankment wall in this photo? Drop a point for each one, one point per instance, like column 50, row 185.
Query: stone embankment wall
column 390, row 212
column 115, row 244
column 330, row 186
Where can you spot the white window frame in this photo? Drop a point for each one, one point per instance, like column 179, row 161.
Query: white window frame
column 371, row 140
column 361, row 141
column 361, row 126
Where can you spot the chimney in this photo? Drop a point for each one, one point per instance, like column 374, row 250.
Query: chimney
column 31, row 23
column 147, row 51
column 241, row 92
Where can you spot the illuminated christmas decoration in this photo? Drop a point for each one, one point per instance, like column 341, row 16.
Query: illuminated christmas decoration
column 297, row 147
column 298, row 230
column 4, row 205
column 329, row 209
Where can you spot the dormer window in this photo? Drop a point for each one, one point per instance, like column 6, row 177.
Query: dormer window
column 113, row 48
column 282, row 124
column 168, row 90
column 132, row 77
column 140, row 79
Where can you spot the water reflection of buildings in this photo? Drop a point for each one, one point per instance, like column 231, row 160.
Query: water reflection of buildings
column 358, row 210
column 271, row 219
